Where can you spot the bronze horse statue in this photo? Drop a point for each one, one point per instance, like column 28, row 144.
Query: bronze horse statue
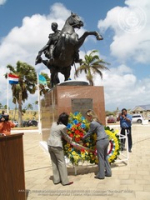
column 66, row 51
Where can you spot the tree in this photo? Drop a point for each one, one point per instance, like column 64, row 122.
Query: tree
column 1, row 105
column 36, row 102
column 5, row 107
column 27, row 84
column 29, row 107
column 91, row 65
column 34, row 114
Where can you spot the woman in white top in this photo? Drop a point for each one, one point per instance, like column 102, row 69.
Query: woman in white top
column 57, row 133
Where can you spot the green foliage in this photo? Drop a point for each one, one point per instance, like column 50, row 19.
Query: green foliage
column 27, row 84
column 91, row 66
column 27, row 81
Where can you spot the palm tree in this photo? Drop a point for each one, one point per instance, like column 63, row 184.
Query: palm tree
column 91, row 65
column 27, row 84
column 1, row 105
column 5, row 107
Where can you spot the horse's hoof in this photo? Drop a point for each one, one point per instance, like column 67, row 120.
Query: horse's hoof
column 99, row 37
column 37, row 61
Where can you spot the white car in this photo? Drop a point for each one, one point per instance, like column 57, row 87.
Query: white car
column 137, row 118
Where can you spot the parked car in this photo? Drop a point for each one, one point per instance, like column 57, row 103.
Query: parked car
column 137, row 118
column 111, row 120
column 30, row 123
column 24, row 123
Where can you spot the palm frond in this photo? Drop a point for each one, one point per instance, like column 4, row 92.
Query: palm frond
column 80, row 69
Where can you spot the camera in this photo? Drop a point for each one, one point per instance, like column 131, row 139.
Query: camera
column 5, row 117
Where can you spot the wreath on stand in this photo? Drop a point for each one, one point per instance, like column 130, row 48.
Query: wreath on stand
column 76, row 129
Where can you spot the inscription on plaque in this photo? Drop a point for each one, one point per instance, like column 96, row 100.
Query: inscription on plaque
column 81, row 105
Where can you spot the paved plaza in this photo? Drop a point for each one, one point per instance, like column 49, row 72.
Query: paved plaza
column 128, row 181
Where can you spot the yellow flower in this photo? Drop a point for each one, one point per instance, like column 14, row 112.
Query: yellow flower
column 74, row 153
column 82, row 155
column 117, row 131
column 67, row 145
column 70, row 149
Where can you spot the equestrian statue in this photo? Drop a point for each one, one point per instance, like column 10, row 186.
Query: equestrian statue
column 62, row 48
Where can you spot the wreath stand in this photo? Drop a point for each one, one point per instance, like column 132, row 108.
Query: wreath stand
column 124, row 155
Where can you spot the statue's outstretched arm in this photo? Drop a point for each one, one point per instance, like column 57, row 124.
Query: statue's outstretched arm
column 45, row 47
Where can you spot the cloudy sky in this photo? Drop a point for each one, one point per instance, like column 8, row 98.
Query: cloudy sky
column 124, row 25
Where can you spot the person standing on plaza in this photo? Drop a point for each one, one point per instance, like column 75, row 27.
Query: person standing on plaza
column 102, row 143
column 5, row 124
column 125, row 124
column 57, row 133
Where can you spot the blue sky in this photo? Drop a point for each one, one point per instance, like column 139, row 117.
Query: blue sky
column 124, row 25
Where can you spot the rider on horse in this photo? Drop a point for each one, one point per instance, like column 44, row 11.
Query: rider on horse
column 48, row 49
column 62, row 49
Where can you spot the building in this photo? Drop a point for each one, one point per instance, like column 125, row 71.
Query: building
column 144, row 110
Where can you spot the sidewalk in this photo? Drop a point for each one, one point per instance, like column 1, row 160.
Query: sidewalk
column 130, row 181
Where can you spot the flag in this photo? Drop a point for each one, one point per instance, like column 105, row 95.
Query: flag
column 42, row 80
column 13, row 79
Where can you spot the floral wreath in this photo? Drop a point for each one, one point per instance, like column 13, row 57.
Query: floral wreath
column 76, row 129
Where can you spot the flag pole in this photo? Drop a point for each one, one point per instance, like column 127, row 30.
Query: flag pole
column 39, row 106
column 7, row 94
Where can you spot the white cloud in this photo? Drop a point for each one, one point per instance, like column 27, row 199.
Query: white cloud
column 131, row 30
column 2, row 2
column 23, row 43
column 123, row 89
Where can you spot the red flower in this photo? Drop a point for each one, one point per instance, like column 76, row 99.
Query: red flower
column 71, row 135
column 77, row 132
column 81, row 135
column 82, row 150
column 79, row 124
column 77, row 139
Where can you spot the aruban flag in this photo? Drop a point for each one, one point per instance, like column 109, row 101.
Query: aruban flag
column 13, row 79
column 42, row 80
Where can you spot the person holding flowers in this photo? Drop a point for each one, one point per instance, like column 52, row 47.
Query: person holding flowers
column 102, row 143
column 55, row 147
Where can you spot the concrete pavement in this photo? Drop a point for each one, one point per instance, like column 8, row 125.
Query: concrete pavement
column 130, row 181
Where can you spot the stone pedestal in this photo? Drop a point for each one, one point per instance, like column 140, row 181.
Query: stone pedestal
column 71, row 98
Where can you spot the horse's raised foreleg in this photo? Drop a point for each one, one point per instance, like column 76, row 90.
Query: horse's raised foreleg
column 87, row 33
